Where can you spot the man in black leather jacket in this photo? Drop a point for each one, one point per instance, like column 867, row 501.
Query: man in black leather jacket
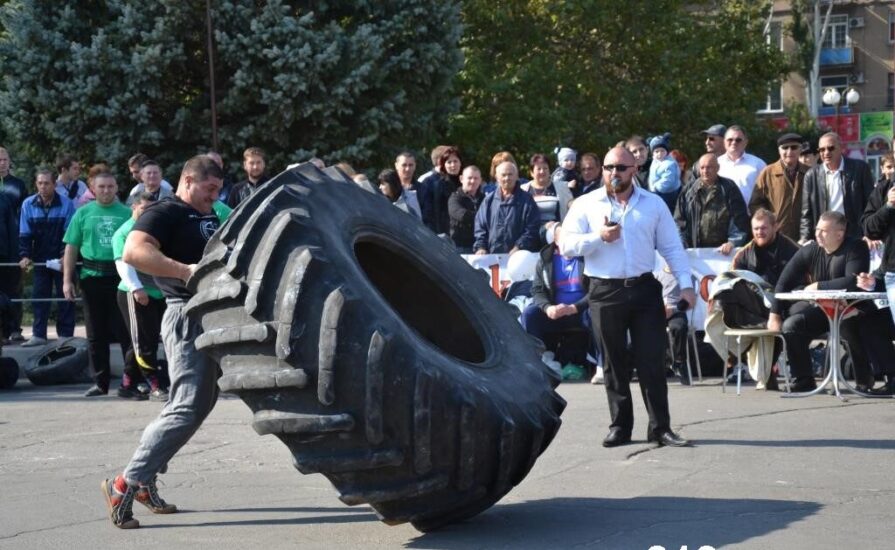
column 838, row 183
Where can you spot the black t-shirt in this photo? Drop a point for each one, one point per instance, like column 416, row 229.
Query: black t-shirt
column 182, row 232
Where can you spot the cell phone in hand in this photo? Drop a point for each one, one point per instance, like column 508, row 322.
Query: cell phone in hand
column 611, row 224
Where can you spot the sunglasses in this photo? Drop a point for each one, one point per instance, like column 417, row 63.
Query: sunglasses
column 733, row 140
column 616, row 167
column 790, row 147
column 829, row 149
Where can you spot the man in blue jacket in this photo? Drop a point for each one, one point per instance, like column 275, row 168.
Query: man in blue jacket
column 508, row 219
column 45, row 217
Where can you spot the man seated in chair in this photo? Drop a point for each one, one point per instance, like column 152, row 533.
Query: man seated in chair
column 765, row 255
column 831, row 262
column 559, row 292
column 676, row 320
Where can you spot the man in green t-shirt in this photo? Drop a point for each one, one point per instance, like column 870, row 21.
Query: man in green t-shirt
column 90, row 235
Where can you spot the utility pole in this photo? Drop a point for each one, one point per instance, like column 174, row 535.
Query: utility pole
column 214, row 111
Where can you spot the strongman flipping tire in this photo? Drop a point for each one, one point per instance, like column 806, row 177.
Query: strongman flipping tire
column 167, row 242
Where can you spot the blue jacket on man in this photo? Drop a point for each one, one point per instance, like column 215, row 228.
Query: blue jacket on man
column 41, row 227
column 501, row 225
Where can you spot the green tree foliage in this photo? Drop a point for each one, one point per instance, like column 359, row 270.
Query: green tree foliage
column 800, row 27
column 344, row 80
column 540, row 73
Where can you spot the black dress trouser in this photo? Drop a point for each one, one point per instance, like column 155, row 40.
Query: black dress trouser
column 677, row 326
column 806, row 322
column 104, row 325
column 618, row 311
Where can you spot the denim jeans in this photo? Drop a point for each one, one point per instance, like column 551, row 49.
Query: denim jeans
column 44, row 282
column 192, row 395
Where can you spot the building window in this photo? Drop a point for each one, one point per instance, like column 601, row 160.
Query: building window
column 837, row 33
column 840, row 82
column 774, row 100
column 892, row 27
column 775, row 35
column 890, row 92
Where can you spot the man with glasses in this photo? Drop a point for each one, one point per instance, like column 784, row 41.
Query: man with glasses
column 838, row 184
column 618, row 228
column 736, row 164
column 714, row 144
column 779, row 186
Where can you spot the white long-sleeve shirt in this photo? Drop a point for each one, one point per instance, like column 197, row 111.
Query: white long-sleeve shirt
column 742, row 171
column 647, row 226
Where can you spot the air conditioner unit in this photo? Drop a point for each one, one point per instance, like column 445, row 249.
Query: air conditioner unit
column 856, row 23
column 856, row 78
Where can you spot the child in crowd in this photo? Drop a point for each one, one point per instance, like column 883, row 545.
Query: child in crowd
column 664, row 173
column 565, row 174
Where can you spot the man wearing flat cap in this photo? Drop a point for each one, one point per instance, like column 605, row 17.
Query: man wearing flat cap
column 779, row 186
column 714, row 144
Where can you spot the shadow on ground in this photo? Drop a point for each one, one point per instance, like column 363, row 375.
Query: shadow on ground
column 261, row 516
column 881, row 444
column 620, row 523
column 26, row 391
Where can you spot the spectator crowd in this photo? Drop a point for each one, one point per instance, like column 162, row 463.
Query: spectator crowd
column 809, row 219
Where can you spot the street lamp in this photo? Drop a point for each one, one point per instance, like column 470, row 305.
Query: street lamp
column 833, row 97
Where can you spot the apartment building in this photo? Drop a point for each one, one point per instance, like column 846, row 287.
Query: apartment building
column 857, row 53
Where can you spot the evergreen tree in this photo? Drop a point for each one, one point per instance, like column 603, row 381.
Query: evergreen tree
column 348, row 81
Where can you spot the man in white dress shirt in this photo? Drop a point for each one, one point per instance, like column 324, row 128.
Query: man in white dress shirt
column 618, row 229
column 738, row 165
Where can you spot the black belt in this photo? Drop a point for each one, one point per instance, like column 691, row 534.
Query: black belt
column 100, row 266
column 627, row 283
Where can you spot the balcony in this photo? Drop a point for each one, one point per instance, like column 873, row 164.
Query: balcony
column 828, row 110
column 836, row 56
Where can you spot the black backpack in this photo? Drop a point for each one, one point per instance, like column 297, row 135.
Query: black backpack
column 744, row 301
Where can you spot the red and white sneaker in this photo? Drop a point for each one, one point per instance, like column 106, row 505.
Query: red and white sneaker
column 120, row 499
column 148, row 496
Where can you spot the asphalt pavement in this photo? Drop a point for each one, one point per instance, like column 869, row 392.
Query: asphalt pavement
column 764, row 472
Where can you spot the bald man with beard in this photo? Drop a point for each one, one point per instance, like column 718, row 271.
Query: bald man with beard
column 618, row 229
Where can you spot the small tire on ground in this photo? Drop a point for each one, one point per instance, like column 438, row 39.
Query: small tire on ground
column 9, row 372
column 372, row 350
column 62, row 362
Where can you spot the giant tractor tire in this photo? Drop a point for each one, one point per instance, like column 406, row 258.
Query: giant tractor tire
column 375, row 353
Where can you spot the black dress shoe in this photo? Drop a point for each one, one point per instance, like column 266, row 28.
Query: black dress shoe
column 800, row 385
column 616, row 437
column 886, row 389
column 667, row 438
column 683, row 375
